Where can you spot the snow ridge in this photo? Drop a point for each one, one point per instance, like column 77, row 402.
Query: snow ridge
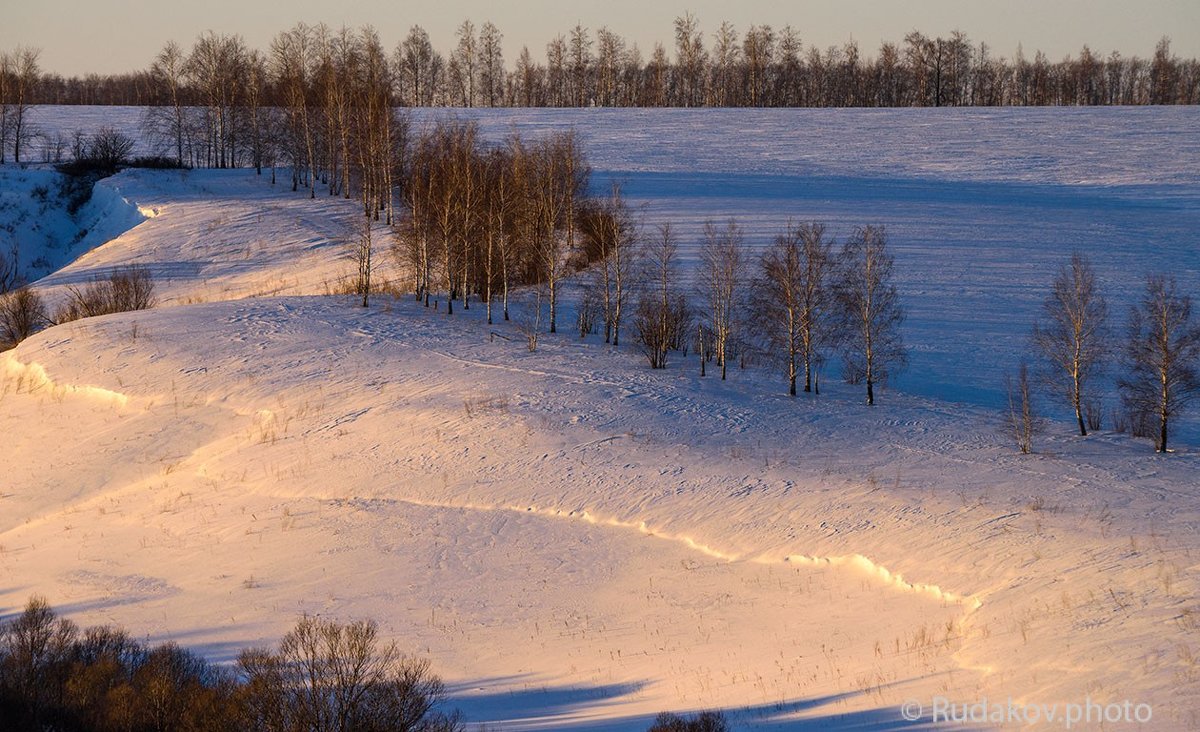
column 893, row 579
column 33, row 379
column 857, row 562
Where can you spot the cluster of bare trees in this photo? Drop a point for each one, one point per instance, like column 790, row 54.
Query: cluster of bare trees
column 760, row 67
column 325, row 676
column 22, row 313
column 797, row 303
column 793, row 295
column 814, row 302
column 1159, row 361
column 320, row 103
column 481, row 219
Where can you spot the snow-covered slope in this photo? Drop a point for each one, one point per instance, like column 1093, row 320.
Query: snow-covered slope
column 34, row 217
column 579, row 542
column 981, row 205
column 219, row 235
column 568, row 532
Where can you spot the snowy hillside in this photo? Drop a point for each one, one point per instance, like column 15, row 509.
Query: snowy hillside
column 34, row 218
column 981, row 205
column 212, row 235
column 579, row 542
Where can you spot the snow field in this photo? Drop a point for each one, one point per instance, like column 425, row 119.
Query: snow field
column 579, row 542
column 314, row 483
column 981, row 206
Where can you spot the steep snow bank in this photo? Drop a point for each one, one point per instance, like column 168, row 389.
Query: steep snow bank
column 219, row 235
column 108, row 214
column 34, row 215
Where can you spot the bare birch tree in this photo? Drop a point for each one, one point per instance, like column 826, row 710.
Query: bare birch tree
column 661, row 316
column 580, row 65
column 1072, row 338
column 465, row 177
column 557, row 177
column 720, row 279
column 725, row 64
column 556, row 72
column 464, row 65
column 690, row 60
column 168, row 122
column 870, row 310
column 363, row 250
column 499, row 198
column 757, row 50
column 610, row 234
column 416, row 227
column 6, row 84
column 292, row 60
column 1022, row 420
column 491, row 65
column 1162, row 356
column 793, row 299
column 519, row 216
column 420, row 69
column 620, row 264
column 258, row 117
column 24, row 76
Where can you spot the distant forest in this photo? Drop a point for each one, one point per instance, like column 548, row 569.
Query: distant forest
column 761, row 67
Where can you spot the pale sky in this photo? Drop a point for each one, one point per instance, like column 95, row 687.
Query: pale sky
column 105, row 36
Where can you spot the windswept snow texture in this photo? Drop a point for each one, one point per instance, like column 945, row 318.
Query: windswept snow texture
column 578, row 542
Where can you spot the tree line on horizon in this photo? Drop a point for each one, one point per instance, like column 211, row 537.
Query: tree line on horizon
column 760, row 67
column 221, row 99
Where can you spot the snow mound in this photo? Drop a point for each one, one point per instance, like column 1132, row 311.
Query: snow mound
column 210, row 235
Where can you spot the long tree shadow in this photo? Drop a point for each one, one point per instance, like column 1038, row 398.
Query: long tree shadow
column 196, row 640
column 525, row 702
column 538, row 706
column 582, row 709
